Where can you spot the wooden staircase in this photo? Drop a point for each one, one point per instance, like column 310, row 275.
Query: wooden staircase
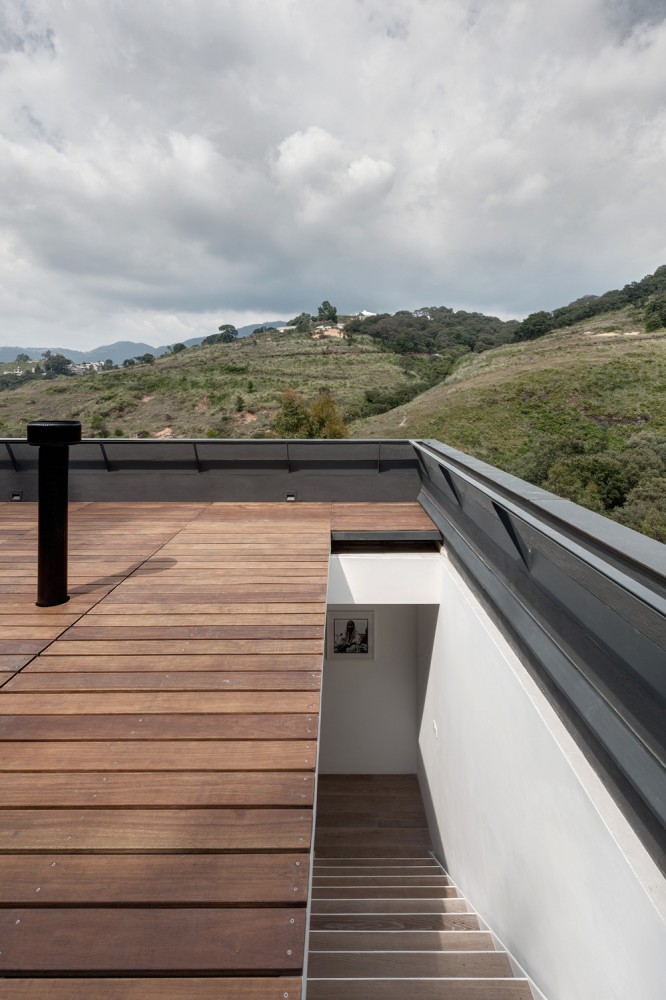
column 386, row 921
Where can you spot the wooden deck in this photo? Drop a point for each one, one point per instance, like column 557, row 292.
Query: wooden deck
column 158, row 747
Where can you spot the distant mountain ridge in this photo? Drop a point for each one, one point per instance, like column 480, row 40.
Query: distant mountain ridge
column 118, row 351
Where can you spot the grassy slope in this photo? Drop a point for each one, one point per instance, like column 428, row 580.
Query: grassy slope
column 578, row 382
column 195, row 392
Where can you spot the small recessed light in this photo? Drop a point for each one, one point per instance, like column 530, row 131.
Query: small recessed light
column 291, row 496
column 17, row 496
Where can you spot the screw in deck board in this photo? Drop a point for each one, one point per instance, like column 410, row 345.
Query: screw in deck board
column 53, row 438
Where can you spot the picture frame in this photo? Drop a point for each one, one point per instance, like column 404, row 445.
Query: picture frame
column 350, row 635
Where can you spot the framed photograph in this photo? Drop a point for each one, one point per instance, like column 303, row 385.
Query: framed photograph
column 350, row 634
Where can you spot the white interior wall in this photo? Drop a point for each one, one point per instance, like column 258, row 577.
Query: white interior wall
column 524, row 824
column 368, row 719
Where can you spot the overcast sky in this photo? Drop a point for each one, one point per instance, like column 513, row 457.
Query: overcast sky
column 170, row 165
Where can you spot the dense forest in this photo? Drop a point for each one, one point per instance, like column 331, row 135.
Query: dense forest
column 435, row 330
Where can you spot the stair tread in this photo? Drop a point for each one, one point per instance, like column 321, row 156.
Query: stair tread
column 423, row 989
column 455, row 904
column 400, row 940
column 411, row 964
column 394, row 921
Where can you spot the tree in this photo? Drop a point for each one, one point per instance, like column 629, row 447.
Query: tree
column 655, row 313
column 23, row 357
column 177, row 348
column 57, row 364
column 228, row 333
column 292, row 420
column 325, row 420
column 327, row 313
column 145, row 359
column 535, row 325
column 108, row 365
column 303, row 322
column 296, row 419
column 129, row 363
column 645, row 508
column 600, row 482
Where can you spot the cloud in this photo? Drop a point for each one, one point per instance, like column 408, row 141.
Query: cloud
column 168, row 165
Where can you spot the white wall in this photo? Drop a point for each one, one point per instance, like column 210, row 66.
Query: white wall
column 380, row 578
column 524, row 825
column 368, row 718
column 369, row 721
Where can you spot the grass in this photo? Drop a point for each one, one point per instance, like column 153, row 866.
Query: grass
column 574, row 383
column 195, row 393
column 602, row 380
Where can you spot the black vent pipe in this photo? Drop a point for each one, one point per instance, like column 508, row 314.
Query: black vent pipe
column 53, row 438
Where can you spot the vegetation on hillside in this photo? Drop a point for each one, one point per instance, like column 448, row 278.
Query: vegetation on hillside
column 295, row 419
column 580, row 412
column 435, row 330
column 646, row 298
column 221, row 389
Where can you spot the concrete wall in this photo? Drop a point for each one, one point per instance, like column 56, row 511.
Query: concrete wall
column 524, row 825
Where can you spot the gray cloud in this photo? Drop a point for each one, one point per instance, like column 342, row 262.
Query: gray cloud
column 167, row 166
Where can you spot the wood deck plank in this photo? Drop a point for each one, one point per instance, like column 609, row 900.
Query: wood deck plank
column 151, row 940
column 98, row 790
column 157, row 755
column 32, row 680
column 195, row 661
column 72, row 728
column 180, row 988
column 157, row 702
column 158, row 879
column 147, row 829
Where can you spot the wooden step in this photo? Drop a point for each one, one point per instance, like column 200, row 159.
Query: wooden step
column 367, row 862
column 378, row 871
column 383, row 906
column 408, row 965
column 414, row 989
column 414, row 940
column 390, row 892
column 380, row 881
column 394, row 922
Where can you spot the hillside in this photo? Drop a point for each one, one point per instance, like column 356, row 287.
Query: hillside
column 226, row 390
column 605, row 374
column 581, row 411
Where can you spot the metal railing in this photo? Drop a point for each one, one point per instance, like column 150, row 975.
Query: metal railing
column 584, row 597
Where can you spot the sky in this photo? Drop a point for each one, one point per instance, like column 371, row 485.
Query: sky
column 170, row 165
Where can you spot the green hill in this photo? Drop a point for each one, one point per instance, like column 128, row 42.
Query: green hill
column 225, row 390
column 581, row 411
